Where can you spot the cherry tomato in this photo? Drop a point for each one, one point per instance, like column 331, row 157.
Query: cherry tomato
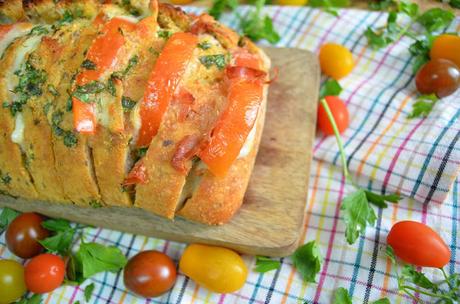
column 446, row 47
column 44, row 273
column 23, row 234
column 418, row 244
column 150, row 273
column 219, row 269
column 292, row 2
column 181, row 2
column 12, row 285
column 438, row 76
column 335, row 60
column 339, row 111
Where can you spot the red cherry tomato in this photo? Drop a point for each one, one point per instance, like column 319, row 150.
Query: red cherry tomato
column 418, row 244
column 23, row 234
column 44, row 273
column 150, row 273
column 339, row 112
column 438, row 76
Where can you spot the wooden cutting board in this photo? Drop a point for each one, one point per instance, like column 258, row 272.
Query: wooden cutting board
column 270, row 220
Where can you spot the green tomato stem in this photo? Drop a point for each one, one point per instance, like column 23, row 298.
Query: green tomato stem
column 447, row 278
column 427, row 293
column 343, row 158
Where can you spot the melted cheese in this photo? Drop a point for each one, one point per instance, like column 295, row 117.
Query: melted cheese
column 17, row 31
column 249, row 143
column 18, row 134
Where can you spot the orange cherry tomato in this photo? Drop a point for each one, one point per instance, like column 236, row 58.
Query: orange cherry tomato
column 181, row 2
column 44, row 273
column 339, row 112
column 23, row 234
column 335, row 60
column 162, row 83
column 418, row 244
column 150, row 273
column 292, row 2
column 219, row 269
column 446, row 46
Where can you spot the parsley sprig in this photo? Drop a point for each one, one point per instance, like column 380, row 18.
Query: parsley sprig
column 356, row 207
column 330, row 6
column 412, row 282
column 341, row 296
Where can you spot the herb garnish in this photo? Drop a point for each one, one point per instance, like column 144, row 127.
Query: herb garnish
column 61, row 241
column 52, row 89
column 219, row 6
column 307, row 259
column 219, row 60
column 423, row 106
column 95, row 204
column 30, row 83
column 164, row 34
column 356, row 209
column 204, row 45
column 264, row 264
column 5, row 178
column 84, row 92
column 7, row 216
column 89, row 291
column 34, row 299
column 88, row 64
column 329, row 6
column 341, row 296
column 133, row 61
column 69, row 138
column 127, row 103
column 257, row 27
column 38, row 30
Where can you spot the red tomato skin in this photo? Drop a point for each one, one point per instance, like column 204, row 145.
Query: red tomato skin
column 417, row 244
column 23, row 234
column 150, row 273
column 44, row 273
column 339, row 111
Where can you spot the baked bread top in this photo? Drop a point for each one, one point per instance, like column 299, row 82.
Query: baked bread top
column 128, row 103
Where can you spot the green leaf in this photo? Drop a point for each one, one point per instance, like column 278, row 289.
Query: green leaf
column 264, row 264
column 61, row 241
column 127, row 103
column 89, row 291
column 380, row 200
column 382, row 5
column 418, row 278
column 454, row 3
column 330, row 88
column 34, row 299
column 56, row 224
column 330, row 6
column 357, row 214
column 219, row 60
column 341, row 296
column 382, row 301
column 420, row 49
column 377, row 40
column 219, row 6
column 423, row 106
column 436, row 19
column 307, row 259
column 83, row 93
column 390, row 253
column 94, row 258
column 204, row 45
column 409, row 8
column 258, row 27
column 88, row 64
column 7, row 216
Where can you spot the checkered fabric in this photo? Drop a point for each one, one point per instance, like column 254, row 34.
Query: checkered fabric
column 386, row 152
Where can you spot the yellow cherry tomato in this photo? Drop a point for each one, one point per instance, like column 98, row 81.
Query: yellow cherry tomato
column 218, row 269
column 336, row 60
column 12, row 284
column 180, row 2
column 446, row 47
column 292, row 2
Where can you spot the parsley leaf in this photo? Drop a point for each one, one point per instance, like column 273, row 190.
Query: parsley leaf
column 330, row 6
column 88, row 64
column 34, row 299
column 418, row 278
column 219, row 6
column 204, row 45
column 127, row 103
column 84, row 92
column 93, row 258
column 382, row 5
column 219, row 60
column 330, row 88
column 341, row 296
column 61, row 241
column 380, row 200
column 357, row 214
column 257, row 27
column 382, row 301
column 264, row 264
column 7, row 216
column 420, row 49
column 423, row 106
column 436, row 19
column 307, row 259
column 89, row 291
column 164, row 34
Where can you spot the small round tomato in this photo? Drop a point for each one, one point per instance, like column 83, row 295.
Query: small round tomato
column 23, row 234
column 339, row 112
column 181, row 2
column 12, row 285
column 292, row 2
column 150, row 273
column 446, row 46
column 418, row 244
column 438, row 76
column 219, row 269
column 44, row 273
column 335, row 60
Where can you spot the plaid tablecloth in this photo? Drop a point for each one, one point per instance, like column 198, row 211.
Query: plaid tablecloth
column 417, row 158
